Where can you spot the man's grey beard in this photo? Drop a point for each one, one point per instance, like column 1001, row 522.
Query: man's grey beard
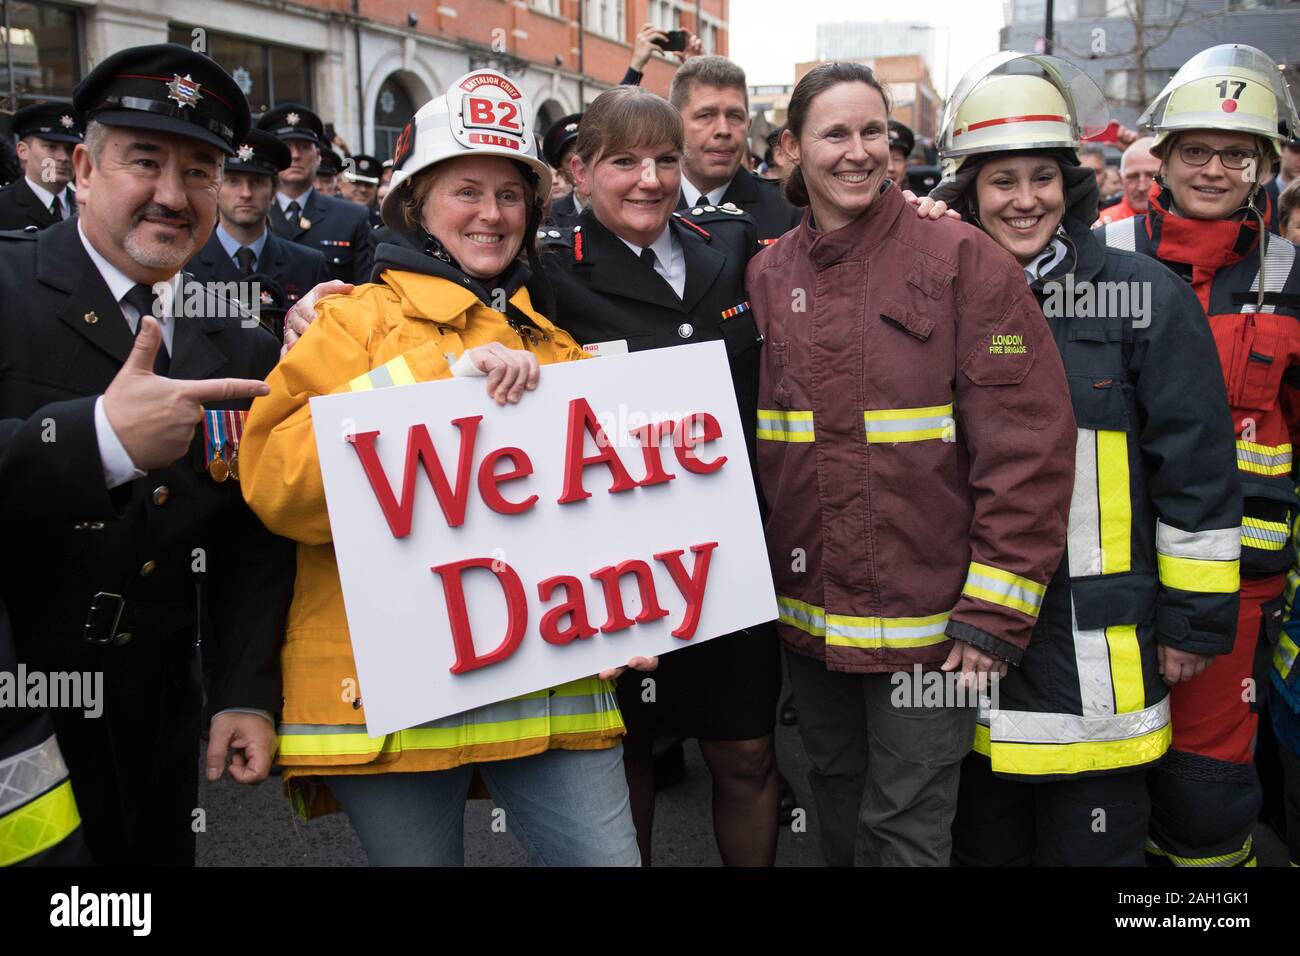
column 165, row 257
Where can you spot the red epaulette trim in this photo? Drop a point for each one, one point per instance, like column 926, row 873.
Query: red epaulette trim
column 577, row 243
column 686, row 222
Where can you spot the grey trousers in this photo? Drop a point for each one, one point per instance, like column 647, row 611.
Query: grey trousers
column 884, row 778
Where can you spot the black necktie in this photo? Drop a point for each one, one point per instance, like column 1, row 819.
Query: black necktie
column 648, row 257
column 56, row 209
column 142, row 298
column 291, row 214
column 245, row 257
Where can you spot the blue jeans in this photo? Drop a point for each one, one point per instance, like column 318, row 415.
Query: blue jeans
column 567, row 808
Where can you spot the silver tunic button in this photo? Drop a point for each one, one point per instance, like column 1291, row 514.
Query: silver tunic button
column 686, row 330
column 697, row 211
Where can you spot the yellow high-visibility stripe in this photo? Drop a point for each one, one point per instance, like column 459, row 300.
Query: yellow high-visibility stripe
column 844, row 630
column 998, row 586
column 38, row 825
column 1285, row 656
column 1243, row 857
column 776, row 425
column 361, row 383
column 400, row 371
column 927, row 423
column 1265, row 535
column 1058, row 758
column 1192, row 574
column 393, row 372
column 1114, row 502
column 1126, row 668
column 1263, row 459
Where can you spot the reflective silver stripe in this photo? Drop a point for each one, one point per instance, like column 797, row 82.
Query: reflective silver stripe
column 1027, row 727
column 27, row 775
column 1262, row 458
column 768, row 422
column 1083, row 544
column 1218, row 544
column 1273, row 531
column 501, row 712
column 1122, row 234
column 381, row 377
column 882, row 630
column 1007, row 589
column 1092, row 664
column 1279, row 260
column 803, row 616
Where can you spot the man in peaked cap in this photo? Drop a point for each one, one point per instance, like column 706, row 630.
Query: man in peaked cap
column 901, row 142
column 557, row 147
column 335, row 227
column 361, row 184
column 327, row 173
column 243, row 242
column 136, row 391
column 42, row 196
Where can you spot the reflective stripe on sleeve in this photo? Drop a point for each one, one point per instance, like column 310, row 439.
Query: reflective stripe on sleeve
column 776, row 425
column 1204, row 561
column 37, row 809
column 1002, row 587
column 393, row 372
column 1115, row 503
column 1285, row 655
column 1263, row 459
column 893, row 425
column 1264, row 535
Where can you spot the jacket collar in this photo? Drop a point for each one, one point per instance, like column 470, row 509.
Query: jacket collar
column 1208, row 243
column 413, row 275
column 857, row 240
column 610, row 262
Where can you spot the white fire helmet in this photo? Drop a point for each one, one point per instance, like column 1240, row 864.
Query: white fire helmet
column 1230, row 87
column 481, row 114
column 1012, row 101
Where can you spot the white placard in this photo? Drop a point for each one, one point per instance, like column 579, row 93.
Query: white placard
column 400, row 610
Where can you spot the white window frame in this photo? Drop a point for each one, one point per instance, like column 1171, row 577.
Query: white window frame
column 606, row 18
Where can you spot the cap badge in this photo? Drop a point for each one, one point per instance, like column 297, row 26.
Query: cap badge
column 570, row 127
column 66, row 121
column 184, row 90
column 293, row 119
column 265, row 297
column 245, row 153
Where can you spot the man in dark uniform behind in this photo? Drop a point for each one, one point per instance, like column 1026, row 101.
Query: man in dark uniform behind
column 243, row 243
column 557, row 147
column 335, row 227
column 130, row 437
column 361, row 184
column 42, row 195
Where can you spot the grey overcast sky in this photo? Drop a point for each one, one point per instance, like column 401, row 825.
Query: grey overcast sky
column 768, row 37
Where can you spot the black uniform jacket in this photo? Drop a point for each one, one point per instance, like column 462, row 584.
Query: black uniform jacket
column 19, row 207
column 773, row 216
column 604, row 293
column 183, row 552
column 337, row 228
column 295, row 267
column 564, row 213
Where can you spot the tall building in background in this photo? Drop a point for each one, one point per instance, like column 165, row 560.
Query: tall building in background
column 855, row 40
column 1131, row 59
column 911, row 91
column 364, row 65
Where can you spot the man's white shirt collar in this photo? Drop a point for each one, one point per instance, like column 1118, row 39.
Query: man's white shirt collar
column 119, row 284
column 46, row 197
column 693, row 195
column 283, row 200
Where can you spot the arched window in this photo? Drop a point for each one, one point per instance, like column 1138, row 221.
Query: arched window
column 393, row 109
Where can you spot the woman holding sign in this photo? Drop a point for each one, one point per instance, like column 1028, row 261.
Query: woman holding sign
column 467, row 203
column 916, row 452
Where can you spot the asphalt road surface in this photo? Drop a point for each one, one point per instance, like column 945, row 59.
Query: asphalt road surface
column 254, row 826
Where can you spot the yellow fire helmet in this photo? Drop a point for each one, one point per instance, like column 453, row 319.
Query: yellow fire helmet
column 1011, row 101
column 1227, row 87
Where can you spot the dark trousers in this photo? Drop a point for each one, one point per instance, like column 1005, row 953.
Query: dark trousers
column 1091, row 821
column 884, row 778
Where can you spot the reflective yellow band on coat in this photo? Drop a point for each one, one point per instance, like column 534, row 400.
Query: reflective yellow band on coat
column 1114, row 502
column 1243, row 857
column 997, row 586
column 38, row 825
column 1263, row 459
column 892, row 425
column 1039, row 744
column 774, row 425
column 1285, row 655
column 1264, row 535
column 843, row 630
column 1207, row 577
column 584, row 706
column 1126, row 668
column 393, row 372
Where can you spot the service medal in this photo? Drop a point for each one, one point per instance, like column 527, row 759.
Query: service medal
column 218, row 469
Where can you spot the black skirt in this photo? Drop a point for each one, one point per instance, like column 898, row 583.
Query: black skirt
column 724, row 689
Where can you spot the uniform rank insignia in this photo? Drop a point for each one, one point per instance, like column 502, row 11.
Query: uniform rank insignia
column 183, row 90
column 767, row 242
column 304, row 223
column 735, row 310
column 222, row 430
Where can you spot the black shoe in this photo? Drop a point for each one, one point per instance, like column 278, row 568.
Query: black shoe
column 787, row 802
column 669, row 762
column 788, row 715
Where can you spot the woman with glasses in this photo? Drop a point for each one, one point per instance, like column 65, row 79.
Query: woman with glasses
column 1220, row 125
column 1147, row 587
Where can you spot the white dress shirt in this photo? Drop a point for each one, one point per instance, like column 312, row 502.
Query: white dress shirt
column 283, row 200
column 670, row 261
column 117, row 463
column 47, row 198
column 696, row 198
